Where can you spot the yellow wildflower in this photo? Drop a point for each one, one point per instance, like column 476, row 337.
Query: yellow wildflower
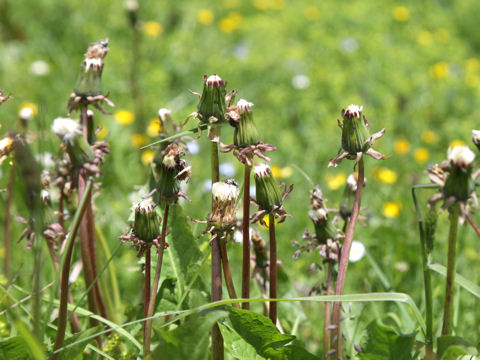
column 266, row 219
column 154, row 127
column 27, row 110
column 392, row 209
column 472, row 65
column 102, row 134
column 312, row 12
column 286, row 172
column 205, row 17
column 429, row 137
column 456, row 143
column 6, row 146
column 152, row 28
column 424, row 38
column 230, row 23
column 402, row 147
column 124, row 117
column 261, row 4
column 147, row 157
column 401, row 13
column 442, row 36
column 421, row 155
column 275, row 171
column 471, row 80
column 439, row 70
column 385, row 175
column 138, row 140
column 335, row 182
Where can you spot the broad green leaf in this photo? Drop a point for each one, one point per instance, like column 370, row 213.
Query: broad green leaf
column 291, row 352
column 238, row 347
column 15, row 348
column 190, row 340
column 447, row 342
column 75, row 350
column 384, row 343
column 453, row 353
column 471, row 287
column 257, row 330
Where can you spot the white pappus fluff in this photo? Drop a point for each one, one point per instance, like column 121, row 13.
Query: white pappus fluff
column 225, row 191
column 67, row 129
column 460, row 155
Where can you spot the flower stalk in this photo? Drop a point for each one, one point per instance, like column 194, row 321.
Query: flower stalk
column 451, row 264
column 343, row 264
column 246, row 238
column 273, row 268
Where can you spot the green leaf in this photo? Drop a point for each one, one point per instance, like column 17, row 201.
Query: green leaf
column 446, row 343
column 265, row 338
column 77, row 349
column 190, row 340
column 385, row 344
column 238, row 347
column 15, row 348
column 471, row 287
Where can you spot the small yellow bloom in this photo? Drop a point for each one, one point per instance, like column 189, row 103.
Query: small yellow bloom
column 472, row 80
column 442, row 36
column 335, row 182
column 402, row 147
column 385, row 175
column 472, row 65
column 275, row 171
column 456, row 142
column 429, row 137
column 392, row 209
column 33, row 108
column 102, row 134
column 401, row 13
column 230, row 23
column 205, row 17
column 439, row 70
column 154, row 127
column 421, row 155
column 286, row 172
column 425, row 38
column 147, row 157
column 266, row 219
column 312, row 12
column 152, row 28
column 138, row 140
column 261, row 4
column 124, row 117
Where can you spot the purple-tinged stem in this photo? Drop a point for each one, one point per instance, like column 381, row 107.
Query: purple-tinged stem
column 7, row 235
column 343, row 264
column 227, row 273
column 474, row 226
column 246, row 238
column 273, row 269
column 328, row 312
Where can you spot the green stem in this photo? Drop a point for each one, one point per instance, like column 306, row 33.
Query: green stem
column 246, row 238
column 427, row 279
column 273, row 269
column 146, row 300
column 153, row 296
column 62, row 312
column 343, row 264
column 451, row 263
column 6, row 229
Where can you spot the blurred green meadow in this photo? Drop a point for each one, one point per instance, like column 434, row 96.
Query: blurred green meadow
column 413, row 65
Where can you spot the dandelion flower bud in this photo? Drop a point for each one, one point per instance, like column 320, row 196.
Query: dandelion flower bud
column 89, row 80
column 146, row 226
column 70, row 132
column 268, row 193
column 164, row 114
column 225, row 194
column 169, row 171
column 211, row 107
column 324, row 229
column 459, row 183
column 355, row 131
column 346, row 203
column 260, row 249
column 246, row 132
column 476, row 138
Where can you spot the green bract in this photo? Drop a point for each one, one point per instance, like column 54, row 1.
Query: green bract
column 89, row 82
column 246, row 132
column 268, row 193
column 324, row 229
column 212, row 102
column 146, row 226
column 459, row 182
column 354, row 131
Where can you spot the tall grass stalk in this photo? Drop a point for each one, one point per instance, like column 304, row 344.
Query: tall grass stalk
column 343, row 264
column 64, row 289
column 451, row 264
